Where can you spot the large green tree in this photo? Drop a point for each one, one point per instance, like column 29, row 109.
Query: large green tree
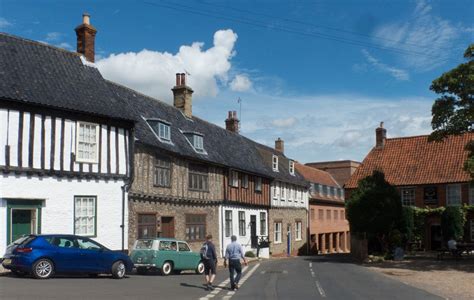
column 374, row 208
column 453, row 111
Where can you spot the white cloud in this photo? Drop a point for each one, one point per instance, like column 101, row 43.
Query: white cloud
column 396, row 73
column 4, row 23
column 64, row 45
column 53, row 36
column 287, row 122
column 424, row 33
column 240, row 83
column 153, row 72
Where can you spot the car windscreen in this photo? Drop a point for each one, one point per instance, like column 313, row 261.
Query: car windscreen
column 144, row 244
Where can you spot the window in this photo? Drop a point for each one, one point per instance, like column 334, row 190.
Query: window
column 312, row 213
column 275, row 191
column 63, row 242
column 164, row 131
column 146, row 226
column 87, row 142
column 277, row 237
column 85, row 215
column 167, row 246
column 325, row 191
column 408, row 196
column 328, row 214
column 198, row 177
column 336, row 215
column 343, row 216
column 320, row 214
column 263, row 223
column 195, row 227
column 298, row 231
column 283, row 191
column 87, row 244
column 471, row 194
column 162, row 173
column 228, row 223
column 245, row 181
column 183, row 247
column 234, row 179
column 332, row 191
column 453, row 194
column 258, row 184
column 198, row 142
column 292, row 167
column 242, row 223
column 275, row 163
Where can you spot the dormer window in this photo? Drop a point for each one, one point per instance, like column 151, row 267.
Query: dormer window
column 292, row 167
column 198, row 142
column 275, row 163
column 164, row 131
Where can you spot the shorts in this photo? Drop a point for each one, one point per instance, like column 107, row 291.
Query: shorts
column 209, row 266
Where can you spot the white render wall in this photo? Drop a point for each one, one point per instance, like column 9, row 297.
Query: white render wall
column 245, row 241
column 283, row 195
column 57, row 213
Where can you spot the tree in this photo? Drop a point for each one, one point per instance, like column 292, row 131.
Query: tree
column 374, row 208
column 453, row 111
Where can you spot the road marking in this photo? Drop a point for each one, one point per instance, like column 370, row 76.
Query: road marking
column 320, row 289
column 231, row 293
column 310, row 265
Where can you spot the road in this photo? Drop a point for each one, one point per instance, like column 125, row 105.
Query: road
column 286, row 278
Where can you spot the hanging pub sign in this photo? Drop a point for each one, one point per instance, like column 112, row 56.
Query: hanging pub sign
column 430, row 195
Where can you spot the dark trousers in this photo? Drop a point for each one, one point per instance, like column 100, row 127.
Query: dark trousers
column 235, row 267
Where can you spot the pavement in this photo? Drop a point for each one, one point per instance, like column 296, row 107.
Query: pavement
column 318, row 277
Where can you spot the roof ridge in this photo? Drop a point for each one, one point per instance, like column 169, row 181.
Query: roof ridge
column 40, row 44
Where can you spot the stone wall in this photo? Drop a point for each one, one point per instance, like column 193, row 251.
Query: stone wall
column 288, row 217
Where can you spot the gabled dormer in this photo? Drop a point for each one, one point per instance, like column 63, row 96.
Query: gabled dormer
column 196, row 140
column 161, row 129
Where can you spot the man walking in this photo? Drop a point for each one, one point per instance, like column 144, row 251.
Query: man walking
column 234, row 253
column 209, row 258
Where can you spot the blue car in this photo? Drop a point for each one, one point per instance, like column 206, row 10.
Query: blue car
column 45, row 255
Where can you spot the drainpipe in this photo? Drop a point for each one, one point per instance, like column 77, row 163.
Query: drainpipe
column 128, row 183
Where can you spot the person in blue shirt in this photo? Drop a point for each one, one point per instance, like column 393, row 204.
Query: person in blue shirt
column 209, row 258
column 233, row 254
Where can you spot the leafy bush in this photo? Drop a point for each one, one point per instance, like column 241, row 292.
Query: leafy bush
column 452, row 223
column 249, row 254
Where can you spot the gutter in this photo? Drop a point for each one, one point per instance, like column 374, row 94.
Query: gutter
column 128, row 183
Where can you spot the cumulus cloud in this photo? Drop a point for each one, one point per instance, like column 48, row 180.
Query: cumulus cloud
column 153, row 72
column 396, row 73
column 240, row 83
column 422, row 32
column 4, row 23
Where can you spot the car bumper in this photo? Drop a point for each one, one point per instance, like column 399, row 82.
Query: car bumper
column 144, row 265
column 14, row 263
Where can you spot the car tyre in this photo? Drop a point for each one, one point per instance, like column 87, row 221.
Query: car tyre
column 43, row 268
column 167, row 268
column 118, row 270
column 200, row 268
column 142, row 271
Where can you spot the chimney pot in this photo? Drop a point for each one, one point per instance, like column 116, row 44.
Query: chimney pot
column 280, row 145
column 183, row 79
column 232, row 122
column 380, row 136
column 183, row 95
column 86, row 19
column 178, row 79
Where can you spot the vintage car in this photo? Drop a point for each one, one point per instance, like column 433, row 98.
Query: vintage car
column 166, row 256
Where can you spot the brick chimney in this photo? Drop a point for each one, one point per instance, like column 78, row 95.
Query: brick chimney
column 183, row 95
column 280, row 145
column 380, row 136
column 86, row 38
column 232, row 122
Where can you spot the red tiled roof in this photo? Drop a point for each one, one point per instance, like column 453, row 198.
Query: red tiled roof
column 414, row 160
column 315, row 175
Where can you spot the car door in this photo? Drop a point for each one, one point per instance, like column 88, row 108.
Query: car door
column 92, row 256
column 168, row 252
column 64, row 253
column 186, row 257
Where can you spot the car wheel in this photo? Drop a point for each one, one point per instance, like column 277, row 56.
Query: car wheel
column 43, row 269
column 167, row 268
column 118, row 270
column 142, row 271
column 200, row 268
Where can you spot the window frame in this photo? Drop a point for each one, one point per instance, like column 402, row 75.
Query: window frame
column 228, row 230
column 258, row 184
column 166, row 130
column 274, row 163
column 140, row 225
column 233, row 178
column 263, row 223
column 298, row 229
column 291, row 167
column 404, row 201
column 321, row 214
column 459, row 188
column 277, row 237
column 312, row 214
column 157, row 166
column 76, row 197
column 77, row 157
column 198, row 142
column 193, row 170
column 195, row 224
column 244, row 181
column 275, row 190
column 242, row 223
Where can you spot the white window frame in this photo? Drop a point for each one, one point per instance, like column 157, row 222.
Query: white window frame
column 258, row 184
column 234, row 178
column 228, row 230
column 275, row 190
column 277, row 235
column 282, row 192
column 85, row 220
column 95, row 159
column 245, row 181
column 298, row 226
column 164, row 131
column 405, row 202
column 292, row 167
column 449, row 202
column 275, row 163
column 198, row 142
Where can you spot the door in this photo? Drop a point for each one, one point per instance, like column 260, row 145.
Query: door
column 167, row 227
column 288, row 239
column 436, row 237
column 186, row 258
column 253, row 231
column 21, row 223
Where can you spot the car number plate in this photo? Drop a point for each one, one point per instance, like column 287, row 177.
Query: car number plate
column 7, row 261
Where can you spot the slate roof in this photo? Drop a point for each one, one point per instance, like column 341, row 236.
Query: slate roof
column 283, row 173
column 36, row 73
column 223, row 147
column 415, row 161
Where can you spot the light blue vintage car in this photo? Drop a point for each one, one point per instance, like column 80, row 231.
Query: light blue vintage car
column 166, row 256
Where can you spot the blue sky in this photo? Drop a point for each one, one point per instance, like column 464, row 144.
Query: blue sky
column 319, row 74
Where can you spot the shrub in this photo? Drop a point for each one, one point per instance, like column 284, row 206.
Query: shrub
column 249, row 254
column 452, row 223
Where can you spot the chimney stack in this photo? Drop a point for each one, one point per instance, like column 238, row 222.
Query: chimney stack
column 280, row 145
column 86, row 38
column 380, row 136
column 232, row 122
column 183, row 95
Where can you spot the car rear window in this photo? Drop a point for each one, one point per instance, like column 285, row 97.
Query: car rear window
column 144, row 244
column 24, row 240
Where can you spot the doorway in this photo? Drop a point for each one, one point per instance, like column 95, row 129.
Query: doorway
column 288, row 239
column 253, row 231
column 436, row 237
column 23, row 218
column 167, row 227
